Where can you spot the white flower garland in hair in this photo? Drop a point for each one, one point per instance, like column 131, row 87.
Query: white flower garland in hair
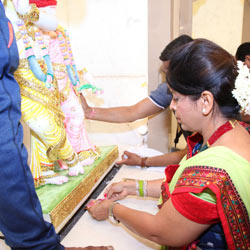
column 241, row 91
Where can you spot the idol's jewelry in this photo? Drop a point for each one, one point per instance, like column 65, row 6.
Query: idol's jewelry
column 85, row 154
column 34, row 66
column 66, row 50
column 47, row 168
column 31, row 16
column 67, row 55
column 72, row 161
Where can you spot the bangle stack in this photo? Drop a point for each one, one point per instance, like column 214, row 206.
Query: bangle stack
column 141, row 188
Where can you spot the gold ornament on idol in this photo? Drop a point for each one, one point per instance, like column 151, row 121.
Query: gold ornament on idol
column 31, row 16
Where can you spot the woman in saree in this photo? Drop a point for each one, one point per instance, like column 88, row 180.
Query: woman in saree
column 204, row 201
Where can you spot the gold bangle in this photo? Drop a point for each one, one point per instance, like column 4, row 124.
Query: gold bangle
column 72, row 161
column 46, row 168
column 32, row 15
column 111, row 213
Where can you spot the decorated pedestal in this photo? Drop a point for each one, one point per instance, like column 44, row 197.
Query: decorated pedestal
column 59, row 203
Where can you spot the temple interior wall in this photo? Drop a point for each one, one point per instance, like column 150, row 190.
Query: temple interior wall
column 119, row 43
column 109, row 39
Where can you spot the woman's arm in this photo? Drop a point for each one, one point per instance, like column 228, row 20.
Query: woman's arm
column 120, row 190
column 167, row 227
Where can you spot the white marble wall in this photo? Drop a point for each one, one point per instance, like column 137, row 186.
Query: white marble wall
column 109, row 38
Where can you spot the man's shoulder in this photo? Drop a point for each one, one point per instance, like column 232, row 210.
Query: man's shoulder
column 162, row 86
column 160, row 96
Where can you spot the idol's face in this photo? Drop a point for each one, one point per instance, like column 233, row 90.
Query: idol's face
column 49, row 10
column 50, row 23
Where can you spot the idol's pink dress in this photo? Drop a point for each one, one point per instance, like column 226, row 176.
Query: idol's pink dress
column 71, row 106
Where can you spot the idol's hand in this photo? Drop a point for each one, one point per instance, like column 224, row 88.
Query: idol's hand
column 129, row 158
column 21, row 6
column 100, row 211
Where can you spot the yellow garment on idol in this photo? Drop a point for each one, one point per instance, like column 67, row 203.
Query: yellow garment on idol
column 42, row 113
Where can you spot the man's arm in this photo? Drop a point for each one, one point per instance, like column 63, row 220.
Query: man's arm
column 166, row 159
column 139, row 110
column 132, row 159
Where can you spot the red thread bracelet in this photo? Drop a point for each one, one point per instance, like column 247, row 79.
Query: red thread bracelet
column 143, row 162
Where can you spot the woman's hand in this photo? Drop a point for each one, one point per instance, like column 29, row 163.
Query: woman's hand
column 120, row 190
column 131, row 159
column 100, row 211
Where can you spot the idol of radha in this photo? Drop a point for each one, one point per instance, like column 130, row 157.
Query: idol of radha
column 68, row 82
column 41, row 99
column 60, row 53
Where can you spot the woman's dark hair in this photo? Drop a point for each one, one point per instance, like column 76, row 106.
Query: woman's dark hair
column 203, row 65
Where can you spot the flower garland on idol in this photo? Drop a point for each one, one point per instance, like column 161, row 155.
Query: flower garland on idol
column 69, row 61
column 71, row 56
column 241, row 92
column 47, row 78
column 74, row 78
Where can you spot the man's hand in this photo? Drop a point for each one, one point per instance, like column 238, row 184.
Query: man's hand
column 129, row 158
column 87, row 110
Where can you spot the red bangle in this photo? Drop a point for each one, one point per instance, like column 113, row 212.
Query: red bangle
column 143, row 162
